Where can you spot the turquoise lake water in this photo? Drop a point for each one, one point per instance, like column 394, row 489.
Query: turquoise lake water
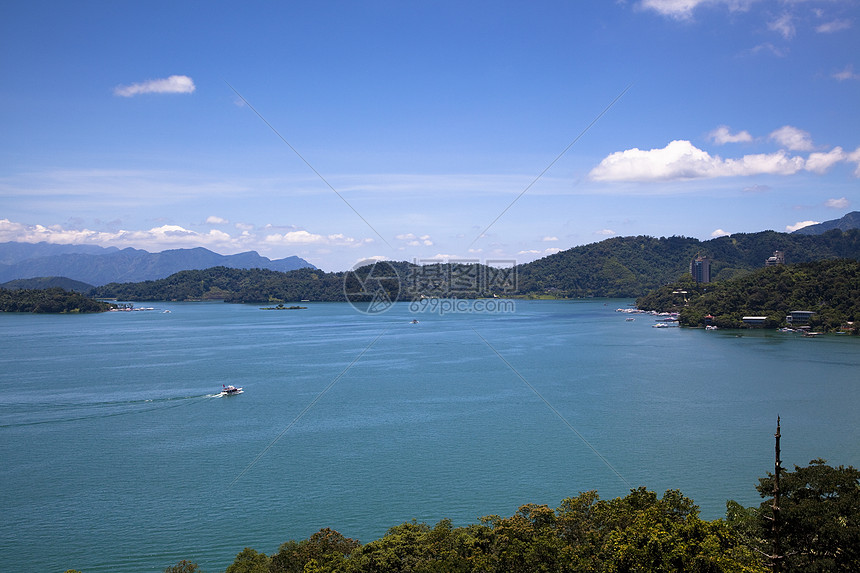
column 117, row 454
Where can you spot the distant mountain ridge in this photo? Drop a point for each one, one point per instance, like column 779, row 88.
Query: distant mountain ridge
column 849, row 221
column 99, row 265
column 624, row 267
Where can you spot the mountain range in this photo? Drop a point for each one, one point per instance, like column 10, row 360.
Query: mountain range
column 101, row 265
column 849, row 221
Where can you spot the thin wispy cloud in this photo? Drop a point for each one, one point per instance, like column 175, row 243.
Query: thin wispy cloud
column 169, row 85
column 841, row 203
column 683, row 9
column 723, row 135
column 847, row 73
column 833, row 26
column 784, row 26
column 215, row 220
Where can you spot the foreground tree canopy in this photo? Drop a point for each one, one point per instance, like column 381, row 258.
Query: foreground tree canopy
column 819, row 531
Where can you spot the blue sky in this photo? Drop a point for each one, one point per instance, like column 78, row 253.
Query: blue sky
column 403, row 130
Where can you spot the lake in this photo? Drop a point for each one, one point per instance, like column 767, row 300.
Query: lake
column 118, row 453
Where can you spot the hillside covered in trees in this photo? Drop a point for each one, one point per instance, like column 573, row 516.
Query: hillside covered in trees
column 52, row 300
column 632, row 266
column 830, row 288
column 617, row 267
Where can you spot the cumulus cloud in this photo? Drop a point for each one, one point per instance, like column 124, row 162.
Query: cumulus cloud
column 172, row 237
column 302, row 237
column 165, row 236
column 170, row 85
column 681, row 160
column 720, row 233
column 833, row 26
column 800, row 225
column 792, row 138
column 215, row 220
column 723, row 135
column 821, row 162
column 841, row 203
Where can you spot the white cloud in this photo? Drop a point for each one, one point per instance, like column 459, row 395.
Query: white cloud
column 681, row 160
column 171, row 85
column 846, row 74
column 783, row 26
column 165, row 236
column 720, row 233
column 605, row 232
column 683, row 9
column 529, row 252
column 800, row 225
column 172, row 237
column 215, row 220
column 552, row 250
column 854, row 157
column 841, row 203
column 548, row 239
column 757, row 189
column 413, row 240
column 821, row 162
column 768, row 47
column 793, row 138
column 833, row 26
column 722, row 135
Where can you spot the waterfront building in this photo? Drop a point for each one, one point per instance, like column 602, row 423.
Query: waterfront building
column 799, row 317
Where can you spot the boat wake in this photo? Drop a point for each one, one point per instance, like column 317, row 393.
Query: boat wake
column 75, row 412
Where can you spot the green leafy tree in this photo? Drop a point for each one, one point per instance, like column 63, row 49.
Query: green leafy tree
column 249, row 561
column 183, row 566
column 327, row 548
column 820, row 517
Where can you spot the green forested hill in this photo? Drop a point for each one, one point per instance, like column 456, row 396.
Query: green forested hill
column 407, row 281
column 617, row 267
column 231, row 285
column 830, row 288
column 52, row 300
column 633, row 266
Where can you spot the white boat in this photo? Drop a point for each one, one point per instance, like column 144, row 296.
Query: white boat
column 230, row 390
